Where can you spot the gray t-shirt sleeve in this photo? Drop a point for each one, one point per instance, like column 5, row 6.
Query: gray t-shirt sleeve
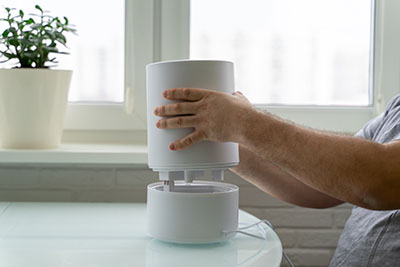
column 370, row 128
column 385, row 127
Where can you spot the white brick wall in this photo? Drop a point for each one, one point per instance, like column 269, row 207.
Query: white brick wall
column 309, row 236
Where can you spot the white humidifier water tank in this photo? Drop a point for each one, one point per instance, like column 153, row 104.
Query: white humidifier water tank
column 189, row 211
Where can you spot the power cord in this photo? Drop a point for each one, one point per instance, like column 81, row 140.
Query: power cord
column 269, row 224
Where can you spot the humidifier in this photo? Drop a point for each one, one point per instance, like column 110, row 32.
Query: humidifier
column 190, row 204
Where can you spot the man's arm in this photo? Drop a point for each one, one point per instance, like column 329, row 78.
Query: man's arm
column 278, row 183
column 350, row 169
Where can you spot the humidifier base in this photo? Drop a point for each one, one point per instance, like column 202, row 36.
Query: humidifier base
column 194, row 213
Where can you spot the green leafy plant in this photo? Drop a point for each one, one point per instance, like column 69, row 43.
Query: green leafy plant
column 31, row 40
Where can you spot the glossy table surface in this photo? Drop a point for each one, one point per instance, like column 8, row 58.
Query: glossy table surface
column 114, row 234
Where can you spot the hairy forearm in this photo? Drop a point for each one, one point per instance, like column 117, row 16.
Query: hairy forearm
column 347, row 168
column 278, row 183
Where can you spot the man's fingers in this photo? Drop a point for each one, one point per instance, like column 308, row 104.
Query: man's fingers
column 190, row 94
column 176, row 122
column 187, row 141
column 184, row 108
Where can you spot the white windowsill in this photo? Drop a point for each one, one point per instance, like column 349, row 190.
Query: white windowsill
column 70, row 153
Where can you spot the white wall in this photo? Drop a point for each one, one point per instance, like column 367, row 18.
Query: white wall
column 309, row 236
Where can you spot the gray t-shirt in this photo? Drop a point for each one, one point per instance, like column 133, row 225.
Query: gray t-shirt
column 372, row 238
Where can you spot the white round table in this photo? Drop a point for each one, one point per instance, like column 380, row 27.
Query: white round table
column 114, row 235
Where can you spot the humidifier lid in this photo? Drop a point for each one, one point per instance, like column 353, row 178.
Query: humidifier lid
column 194, row 61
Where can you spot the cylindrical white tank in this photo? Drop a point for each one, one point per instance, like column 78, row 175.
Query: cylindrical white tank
column 206, row 155
column 199, row 212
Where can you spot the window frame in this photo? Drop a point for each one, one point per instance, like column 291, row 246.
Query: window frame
column 384, row 70
column 131, row 114
column 147, row 24
column 159, row 30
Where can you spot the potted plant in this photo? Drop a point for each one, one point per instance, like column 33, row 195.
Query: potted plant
column 33, row 97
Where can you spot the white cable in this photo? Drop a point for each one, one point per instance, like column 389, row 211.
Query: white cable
column 240, row 230
column 245, row 233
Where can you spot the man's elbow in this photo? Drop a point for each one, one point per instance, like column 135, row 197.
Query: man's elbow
column 382, row 195
column 382, row 187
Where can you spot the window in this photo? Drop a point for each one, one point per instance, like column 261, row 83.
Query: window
column 96, row 53
column 328, row 110
column 330, row 85
column 308, row 52
column 101, row 99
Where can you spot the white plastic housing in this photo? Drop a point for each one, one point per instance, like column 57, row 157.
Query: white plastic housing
column 208, row 74
column 195, row 213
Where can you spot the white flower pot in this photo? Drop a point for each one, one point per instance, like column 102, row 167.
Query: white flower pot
column 32, row 107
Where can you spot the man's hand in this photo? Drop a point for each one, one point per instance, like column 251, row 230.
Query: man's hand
column 215, row 116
